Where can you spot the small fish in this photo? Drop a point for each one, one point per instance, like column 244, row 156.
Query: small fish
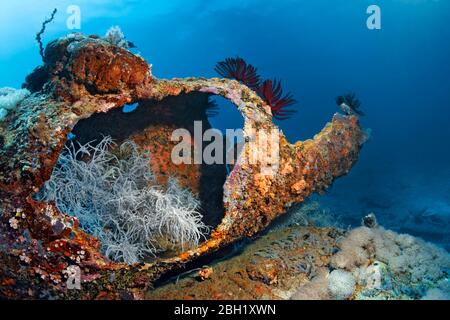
column 131, row 45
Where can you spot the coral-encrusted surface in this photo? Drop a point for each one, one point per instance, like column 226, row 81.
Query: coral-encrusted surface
column 77, row 66
column 272, row 267
column 83, row 76
column 295, row 262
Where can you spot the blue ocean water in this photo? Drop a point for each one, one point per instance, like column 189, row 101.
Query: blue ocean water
column 319, row 49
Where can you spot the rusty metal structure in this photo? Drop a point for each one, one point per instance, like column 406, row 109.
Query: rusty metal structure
column 81, row 86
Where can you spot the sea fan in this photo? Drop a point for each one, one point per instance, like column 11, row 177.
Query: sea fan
column 272, row 93
column 351, row 101
column 238, row 69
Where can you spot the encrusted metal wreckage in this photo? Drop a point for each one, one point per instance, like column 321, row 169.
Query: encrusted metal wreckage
column 82, row 85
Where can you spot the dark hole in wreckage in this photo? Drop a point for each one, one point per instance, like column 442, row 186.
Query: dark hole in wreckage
column 150, row 124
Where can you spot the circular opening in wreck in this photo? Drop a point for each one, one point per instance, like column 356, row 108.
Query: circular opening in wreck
column 173, row 206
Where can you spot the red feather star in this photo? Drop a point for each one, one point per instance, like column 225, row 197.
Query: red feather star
column 272, row 93
column 238, row 69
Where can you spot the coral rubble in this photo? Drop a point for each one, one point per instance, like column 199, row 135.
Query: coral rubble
column 83, row 81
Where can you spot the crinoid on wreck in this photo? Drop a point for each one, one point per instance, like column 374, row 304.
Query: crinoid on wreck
column 238, row 69
column 269, row 90
column 272, row 93
column 79, row 92
column 349, row 104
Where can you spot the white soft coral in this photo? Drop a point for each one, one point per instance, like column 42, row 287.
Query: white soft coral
column 115, row 36
column 115, row 197
column 10, row 99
